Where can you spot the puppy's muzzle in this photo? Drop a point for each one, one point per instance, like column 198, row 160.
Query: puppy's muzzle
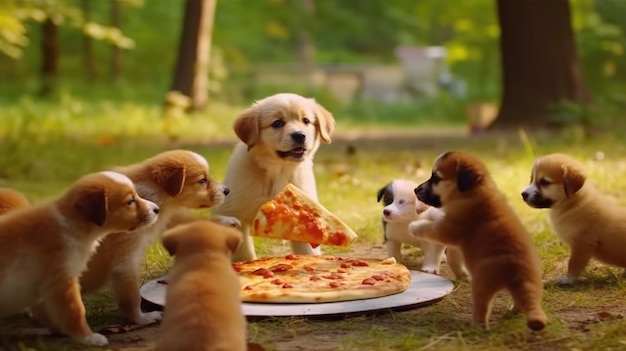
column 298, row 138
column 424, row 194
column 536, row 200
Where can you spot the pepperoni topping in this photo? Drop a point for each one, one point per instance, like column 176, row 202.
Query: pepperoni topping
column 308, row 268
column 291, row 257
column 334, row 284
column 378, row 277
column 266, row 273
column 277, row 282
column 368, row 281
column 237, row 267
column 315, row 277
column 287, row 286
column 248, row 287
column 333, row 275
column 338, row 239
column 345, row 265
column 282, row 267
column 359, row 263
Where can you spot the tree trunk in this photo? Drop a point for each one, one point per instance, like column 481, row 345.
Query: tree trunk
column 306, row 46
column 89, row 65
column 49, row 56
column 116, row 51
column 539, row 62
column 192, row 65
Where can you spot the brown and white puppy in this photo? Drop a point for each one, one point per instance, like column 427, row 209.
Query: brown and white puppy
column 44, row 248
column 590, row 223
column 401, row 208
column 175, row 180
column 202, row 306
column 498, row 251
column 11, row 199
column 279, row 137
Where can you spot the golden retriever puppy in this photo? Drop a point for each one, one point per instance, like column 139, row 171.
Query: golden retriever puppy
column 175, row 180
column 497, row 249
column 590, row 223
column 202, row 307
column 44, row 248
column 279, row 137
column 11, row 199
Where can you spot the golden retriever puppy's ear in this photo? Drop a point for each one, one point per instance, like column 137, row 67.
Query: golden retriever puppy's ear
column 170, row 178
column 247, row 127
column 94, row 207
column 572, row 180
column 170, row 242
column 326, row 123
column 466, row 177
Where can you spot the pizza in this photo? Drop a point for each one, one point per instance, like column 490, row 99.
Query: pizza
column 318, row 279
column 293, row 215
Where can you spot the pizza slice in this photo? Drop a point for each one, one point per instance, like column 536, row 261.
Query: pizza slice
column 293, row 215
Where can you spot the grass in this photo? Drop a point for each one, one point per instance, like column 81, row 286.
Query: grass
column 45, row 147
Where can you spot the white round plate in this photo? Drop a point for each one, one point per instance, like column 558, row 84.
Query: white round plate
column 425, row 289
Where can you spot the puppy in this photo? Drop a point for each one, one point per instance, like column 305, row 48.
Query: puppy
column 498, row 251
column 44, row 248
column 202, row 306
column 402, row 208
column 11, row 199
column 279, row 136
column 175, row 180
column 591, row 224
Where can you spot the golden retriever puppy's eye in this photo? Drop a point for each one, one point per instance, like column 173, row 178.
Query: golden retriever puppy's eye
column 131, row 201
column 279, row 123
column 203, row 180
column 306, row 120
column 544, row 182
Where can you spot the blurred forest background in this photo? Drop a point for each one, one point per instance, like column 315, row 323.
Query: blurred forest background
column 380, row 61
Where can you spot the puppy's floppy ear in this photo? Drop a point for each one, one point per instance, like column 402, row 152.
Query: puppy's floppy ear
column 94, row 207
column 247, row 127
column 233, row 240
column 170, row 178
column 466, row 176
column 381, row 193
column 325, row 123
column 572, row 180
column 170, row 242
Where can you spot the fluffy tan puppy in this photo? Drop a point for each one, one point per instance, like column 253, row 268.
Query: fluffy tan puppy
column 175, row 180
column 11, row 199
column 202, row 307
column 497, row 249
column 590, row 223
column 44, row 248
column 279, row 137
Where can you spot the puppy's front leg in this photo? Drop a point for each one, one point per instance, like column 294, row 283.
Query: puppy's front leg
column 246, row 250
column 65, row 308
column 578, row 260
column 424, row 229
column 125, row 286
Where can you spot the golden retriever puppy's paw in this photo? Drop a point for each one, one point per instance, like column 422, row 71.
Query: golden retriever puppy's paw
column 564, row 280
column 95, row 339
column 226, row 220
column 148, row 317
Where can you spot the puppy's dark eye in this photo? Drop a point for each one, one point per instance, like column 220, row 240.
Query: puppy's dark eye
column 543, row 182
column 306, row 120
column 401, row 202
column 131, row 201
column 203, row 180
column 278, row 124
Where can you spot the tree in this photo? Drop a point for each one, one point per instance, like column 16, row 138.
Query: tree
column 192, row 64
column 50, row 50
column 116, row 50
column 540, row 65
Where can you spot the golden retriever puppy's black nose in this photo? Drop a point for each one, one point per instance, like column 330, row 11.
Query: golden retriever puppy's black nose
column 525, row 195
column 298, row 137
column 226, row 191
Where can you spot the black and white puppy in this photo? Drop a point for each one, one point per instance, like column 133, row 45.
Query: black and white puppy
column 401, row 208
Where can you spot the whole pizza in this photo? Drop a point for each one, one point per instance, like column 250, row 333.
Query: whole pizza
column 317, row 279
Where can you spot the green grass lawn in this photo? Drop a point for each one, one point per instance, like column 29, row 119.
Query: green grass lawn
column 41, row 153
